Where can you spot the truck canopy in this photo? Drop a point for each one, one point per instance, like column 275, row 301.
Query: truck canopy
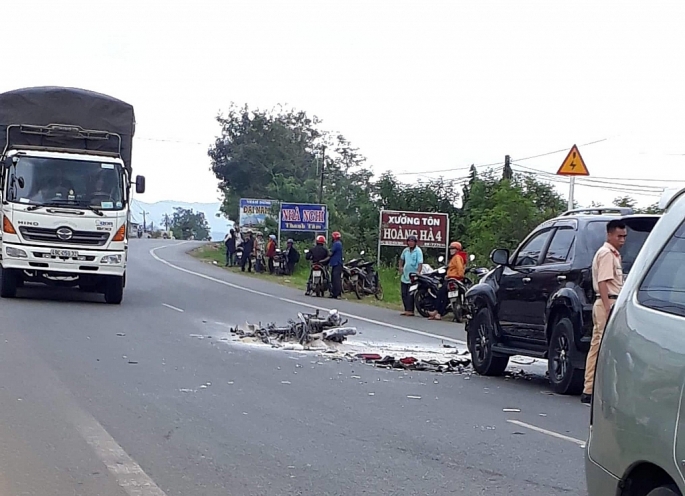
column 37, row 108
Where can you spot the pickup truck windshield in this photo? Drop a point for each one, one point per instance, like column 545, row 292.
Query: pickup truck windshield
column 66, row 182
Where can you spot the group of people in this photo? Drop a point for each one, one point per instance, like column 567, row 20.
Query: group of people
column 254, row 247
column 411, row 262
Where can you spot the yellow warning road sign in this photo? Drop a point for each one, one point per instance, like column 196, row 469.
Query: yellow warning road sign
column 573, row 164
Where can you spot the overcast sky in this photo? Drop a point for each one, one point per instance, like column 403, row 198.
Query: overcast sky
column 418, row 86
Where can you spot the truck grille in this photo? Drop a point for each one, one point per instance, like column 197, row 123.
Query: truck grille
column 90, row 238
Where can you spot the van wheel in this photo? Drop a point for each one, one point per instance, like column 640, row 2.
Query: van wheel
column 8, row 284
column 665, row 491
column 565, row 378
column 114, row 290
column 480, row 340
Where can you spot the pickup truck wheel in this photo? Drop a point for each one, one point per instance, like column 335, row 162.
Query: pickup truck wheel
column 480, row 340
column 114, row 290
column 8, row 284
column 664, row 491
column 565, row 378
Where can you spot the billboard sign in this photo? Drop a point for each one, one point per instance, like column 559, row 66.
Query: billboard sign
column 304, row 217
column 430, row 228
column 253, row 213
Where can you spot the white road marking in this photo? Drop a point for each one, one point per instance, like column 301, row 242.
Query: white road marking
column 125, row 470
column 267, row 295
column 549, row 433
column 173, row 307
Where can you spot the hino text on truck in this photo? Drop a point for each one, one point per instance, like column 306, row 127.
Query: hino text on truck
column 65, row 189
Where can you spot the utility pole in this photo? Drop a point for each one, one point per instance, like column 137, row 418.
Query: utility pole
column 507, row 173
column 144, row 223
column 323, row 169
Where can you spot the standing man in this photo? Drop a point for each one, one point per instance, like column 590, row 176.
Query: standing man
column 607, row 280
column 336, row 263
column 411, row 261
column 230, row 247
column 248, row 252
column 271, row 252
column 292, row 256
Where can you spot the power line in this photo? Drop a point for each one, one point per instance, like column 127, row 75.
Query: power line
column 603, row 179
column 635, row 190
column 558, row 151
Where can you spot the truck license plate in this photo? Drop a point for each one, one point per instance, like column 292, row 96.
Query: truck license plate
column 453, row 294
column 317, row 273
column 64, row 253
column 413, row 288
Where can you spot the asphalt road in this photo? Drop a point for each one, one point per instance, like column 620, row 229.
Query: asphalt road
column 171, row 408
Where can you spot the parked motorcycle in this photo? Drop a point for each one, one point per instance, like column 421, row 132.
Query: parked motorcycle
column 349, row 280
column 456, row 291
column 367, row 281
column 279, row 263
column 320, row 279
column 425, row 288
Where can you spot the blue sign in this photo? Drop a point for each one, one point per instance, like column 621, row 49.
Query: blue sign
column 253, row 213
column 304, row 217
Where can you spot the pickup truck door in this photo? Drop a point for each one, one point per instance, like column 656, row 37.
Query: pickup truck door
column 515, row 295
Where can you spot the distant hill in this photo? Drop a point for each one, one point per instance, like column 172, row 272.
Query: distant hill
column 218, row 226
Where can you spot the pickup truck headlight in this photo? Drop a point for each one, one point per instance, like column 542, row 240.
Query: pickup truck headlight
column 111, row 259
column 15, row 252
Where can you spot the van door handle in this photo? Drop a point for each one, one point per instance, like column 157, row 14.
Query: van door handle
column 561, row 278
column 526, row 280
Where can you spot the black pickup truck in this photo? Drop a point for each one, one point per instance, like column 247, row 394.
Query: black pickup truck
column 538, row 301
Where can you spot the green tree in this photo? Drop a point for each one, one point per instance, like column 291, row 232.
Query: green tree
column 185, row 223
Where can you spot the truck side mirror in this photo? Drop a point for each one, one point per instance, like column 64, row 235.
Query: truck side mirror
column 140, row 184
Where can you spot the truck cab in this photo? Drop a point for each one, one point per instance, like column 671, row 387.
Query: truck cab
column 65, row 190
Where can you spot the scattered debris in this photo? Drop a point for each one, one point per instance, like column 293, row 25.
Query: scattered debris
column 372, row 394
column 285, row 382
column 121, row 334
column 414, row 397
column 511, row 410
column 185, row 390
column 132, row 362
column 307, row 331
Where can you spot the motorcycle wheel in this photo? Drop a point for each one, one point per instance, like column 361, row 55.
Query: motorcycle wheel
column 379, row 290
column 458, row 312
column 346, row 285
column 420, row 302
column 358, row 289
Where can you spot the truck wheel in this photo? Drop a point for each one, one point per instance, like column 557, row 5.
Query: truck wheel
column 8, row 284
column 564, row 377
column 114, row 290
column 480, row 340
column 664, row 491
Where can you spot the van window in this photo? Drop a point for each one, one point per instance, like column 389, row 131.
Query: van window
column 663, row 288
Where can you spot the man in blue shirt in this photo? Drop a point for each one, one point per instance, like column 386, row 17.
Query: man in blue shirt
column 336, row 264
column 411, row 261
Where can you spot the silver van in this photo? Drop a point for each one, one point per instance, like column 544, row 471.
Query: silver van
column 636, row 445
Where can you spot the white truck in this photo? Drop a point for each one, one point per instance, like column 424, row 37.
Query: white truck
column 65, row 189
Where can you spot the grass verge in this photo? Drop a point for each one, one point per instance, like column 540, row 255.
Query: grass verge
column 390, row 279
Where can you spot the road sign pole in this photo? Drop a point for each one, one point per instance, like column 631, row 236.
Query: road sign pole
column 280, row 212
column 380, row 226
column 571, row 191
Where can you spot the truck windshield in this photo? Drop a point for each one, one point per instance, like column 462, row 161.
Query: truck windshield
column 66, row 182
